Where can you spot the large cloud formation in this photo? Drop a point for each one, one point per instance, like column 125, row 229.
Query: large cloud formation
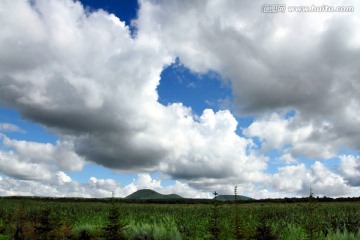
column 85, row 78
column 301, row 63
column 307, row 62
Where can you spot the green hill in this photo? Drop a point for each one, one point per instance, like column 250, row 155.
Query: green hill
column 231, row 198
column 145, row 194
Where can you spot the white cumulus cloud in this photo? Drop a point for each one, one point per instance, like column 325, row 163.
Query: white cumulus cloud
column 85, row 78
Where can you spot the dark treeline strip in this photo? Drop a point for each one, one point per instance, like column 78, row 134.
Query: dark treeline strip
column 180, row 201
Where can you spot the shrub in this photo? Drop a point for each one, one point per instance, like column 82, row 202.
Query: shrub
column 238, row 231
column 312, row 224
column 48, row 226
column 23, row 229
column 263, row 230
column 214, row 220
column 114, row 230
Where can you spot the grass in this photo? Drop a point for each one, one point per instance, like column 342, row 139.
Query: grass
column 291, row 232
column 187, row 221
column 5, row 237
column 343, row 236
column 87, row 229
column 165, row 229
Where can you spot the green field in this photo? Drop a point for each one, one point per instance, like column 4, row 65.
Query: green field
column 79, row 219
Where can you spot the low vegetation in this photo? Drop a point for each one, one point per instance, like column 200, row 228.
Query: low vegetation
column 38, row 218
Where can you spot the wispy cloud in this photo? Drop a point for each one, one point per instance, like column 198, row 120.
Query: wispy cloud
column 9, row 127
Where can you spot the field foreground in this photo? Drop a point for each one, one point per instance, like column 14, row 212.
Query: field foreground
column 54, row 219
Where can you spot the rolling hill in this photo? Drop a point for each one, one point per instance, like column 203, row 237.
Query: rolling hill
column 232, row 198
column 146, row 194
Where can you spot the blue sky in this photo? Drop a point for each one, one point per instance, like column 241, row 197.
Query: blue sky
column 181, row 97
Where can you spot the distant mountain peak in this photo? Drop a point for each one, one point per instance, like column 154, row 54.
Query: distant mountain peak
column 232, row 198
